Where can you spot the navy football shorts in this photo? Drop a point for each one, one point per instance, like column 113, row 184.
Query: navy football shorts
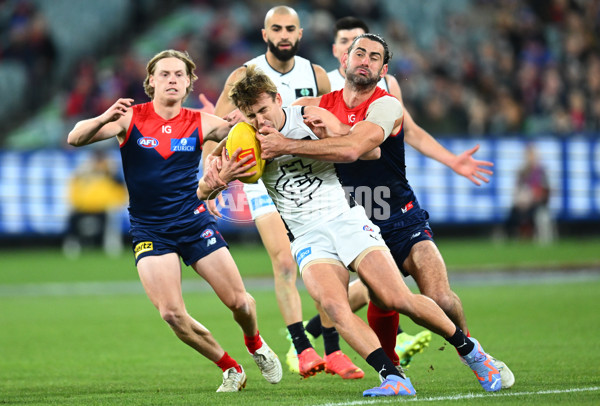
column 191, row 241
column 402, row 235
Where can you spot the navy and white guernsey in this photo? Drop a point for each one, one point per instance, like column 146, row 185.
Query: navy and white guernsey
column 299, row 82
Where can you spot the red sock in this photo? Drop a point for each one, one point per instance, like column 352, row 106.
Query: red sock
column 253, row 343
column 227, row 362
column 385, row 324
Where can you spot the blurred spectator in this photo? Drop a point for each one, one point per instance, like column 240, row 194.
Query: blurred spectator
column 82, row 99
column 530, row 216
column 577, row 112
column 29, row 42
column 508, row 114
column 508, row 66
column 96, row 195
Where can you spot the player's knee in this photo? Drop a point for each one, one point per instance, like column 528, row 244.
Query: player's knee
column 335, row 310
column 174, row 317
column 240, row 303
column 285, row 270
column 284, row 266
column 401, row 304
column 444, row 299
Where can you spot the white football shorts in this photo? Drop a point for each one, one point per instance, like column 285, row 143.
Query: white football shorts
column 258, row 199
column 343, row 239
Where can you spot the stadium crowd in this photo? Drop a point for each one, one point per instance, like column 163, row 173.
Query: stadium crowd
column 476, row 67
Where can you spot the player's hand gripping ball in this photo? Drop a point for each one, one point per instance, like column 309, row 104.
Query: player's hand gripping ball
column 242, row 135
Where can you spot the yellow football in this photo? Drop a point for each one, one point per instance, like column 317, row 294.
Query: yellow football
column 242, row 135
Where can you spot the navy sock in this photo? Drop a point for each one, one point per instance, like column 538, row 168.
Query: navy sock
column 460, row 341
column 382, row 363
column 314, row 326
column 331, row 338
column 299, row 337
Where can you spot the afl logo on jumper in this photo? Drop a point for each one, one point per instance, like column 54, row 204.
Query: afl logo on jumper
column 148, row 142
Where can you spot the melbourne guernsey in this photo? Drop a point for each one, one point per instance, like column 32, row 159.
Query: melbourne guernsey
column 160, row 164
column 385, row 178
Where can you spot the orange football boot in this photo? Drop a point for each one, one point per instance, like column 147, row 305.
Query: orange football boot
column 339, row 363
column 310, row 363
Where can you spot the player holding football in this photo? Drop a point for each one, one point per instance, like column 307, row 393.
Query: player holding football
column 406, row 230
column 294, row 77
column 328, row 234
column 161, row 145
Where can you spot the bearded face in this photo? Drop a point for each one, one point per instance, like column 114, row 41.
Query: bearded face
column 286, row 54
column 361, row 77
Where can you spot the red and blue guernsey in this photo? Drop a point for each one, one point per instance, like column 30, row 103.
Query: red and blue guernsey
column 390, row 196
column 160, row 164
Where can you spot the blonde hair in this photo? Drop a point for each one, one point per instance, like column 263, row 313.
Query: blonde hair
column 247, row 90
column 190, row 66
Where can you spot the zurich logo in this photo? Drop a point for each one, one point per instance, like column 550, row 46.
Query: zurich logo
column 147, row 142
column 207, row 233
column 183, row 144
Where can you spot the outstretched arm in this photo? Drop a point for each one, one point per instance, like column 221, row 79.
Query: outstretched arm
column 463, row 164
column 207, row 105
column 112, row 123
column 224, row 107
column 415, row 136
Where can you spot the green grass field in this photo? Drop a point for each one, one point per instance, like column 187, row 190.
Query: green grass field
column 83, row 333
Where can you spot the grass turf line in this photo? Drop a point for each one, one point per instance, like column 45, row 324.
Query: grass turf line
column 114, row 350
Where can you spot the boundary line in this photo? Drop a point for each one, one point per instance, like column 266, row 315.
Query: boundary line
column 266, row 283
column 460, row 397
